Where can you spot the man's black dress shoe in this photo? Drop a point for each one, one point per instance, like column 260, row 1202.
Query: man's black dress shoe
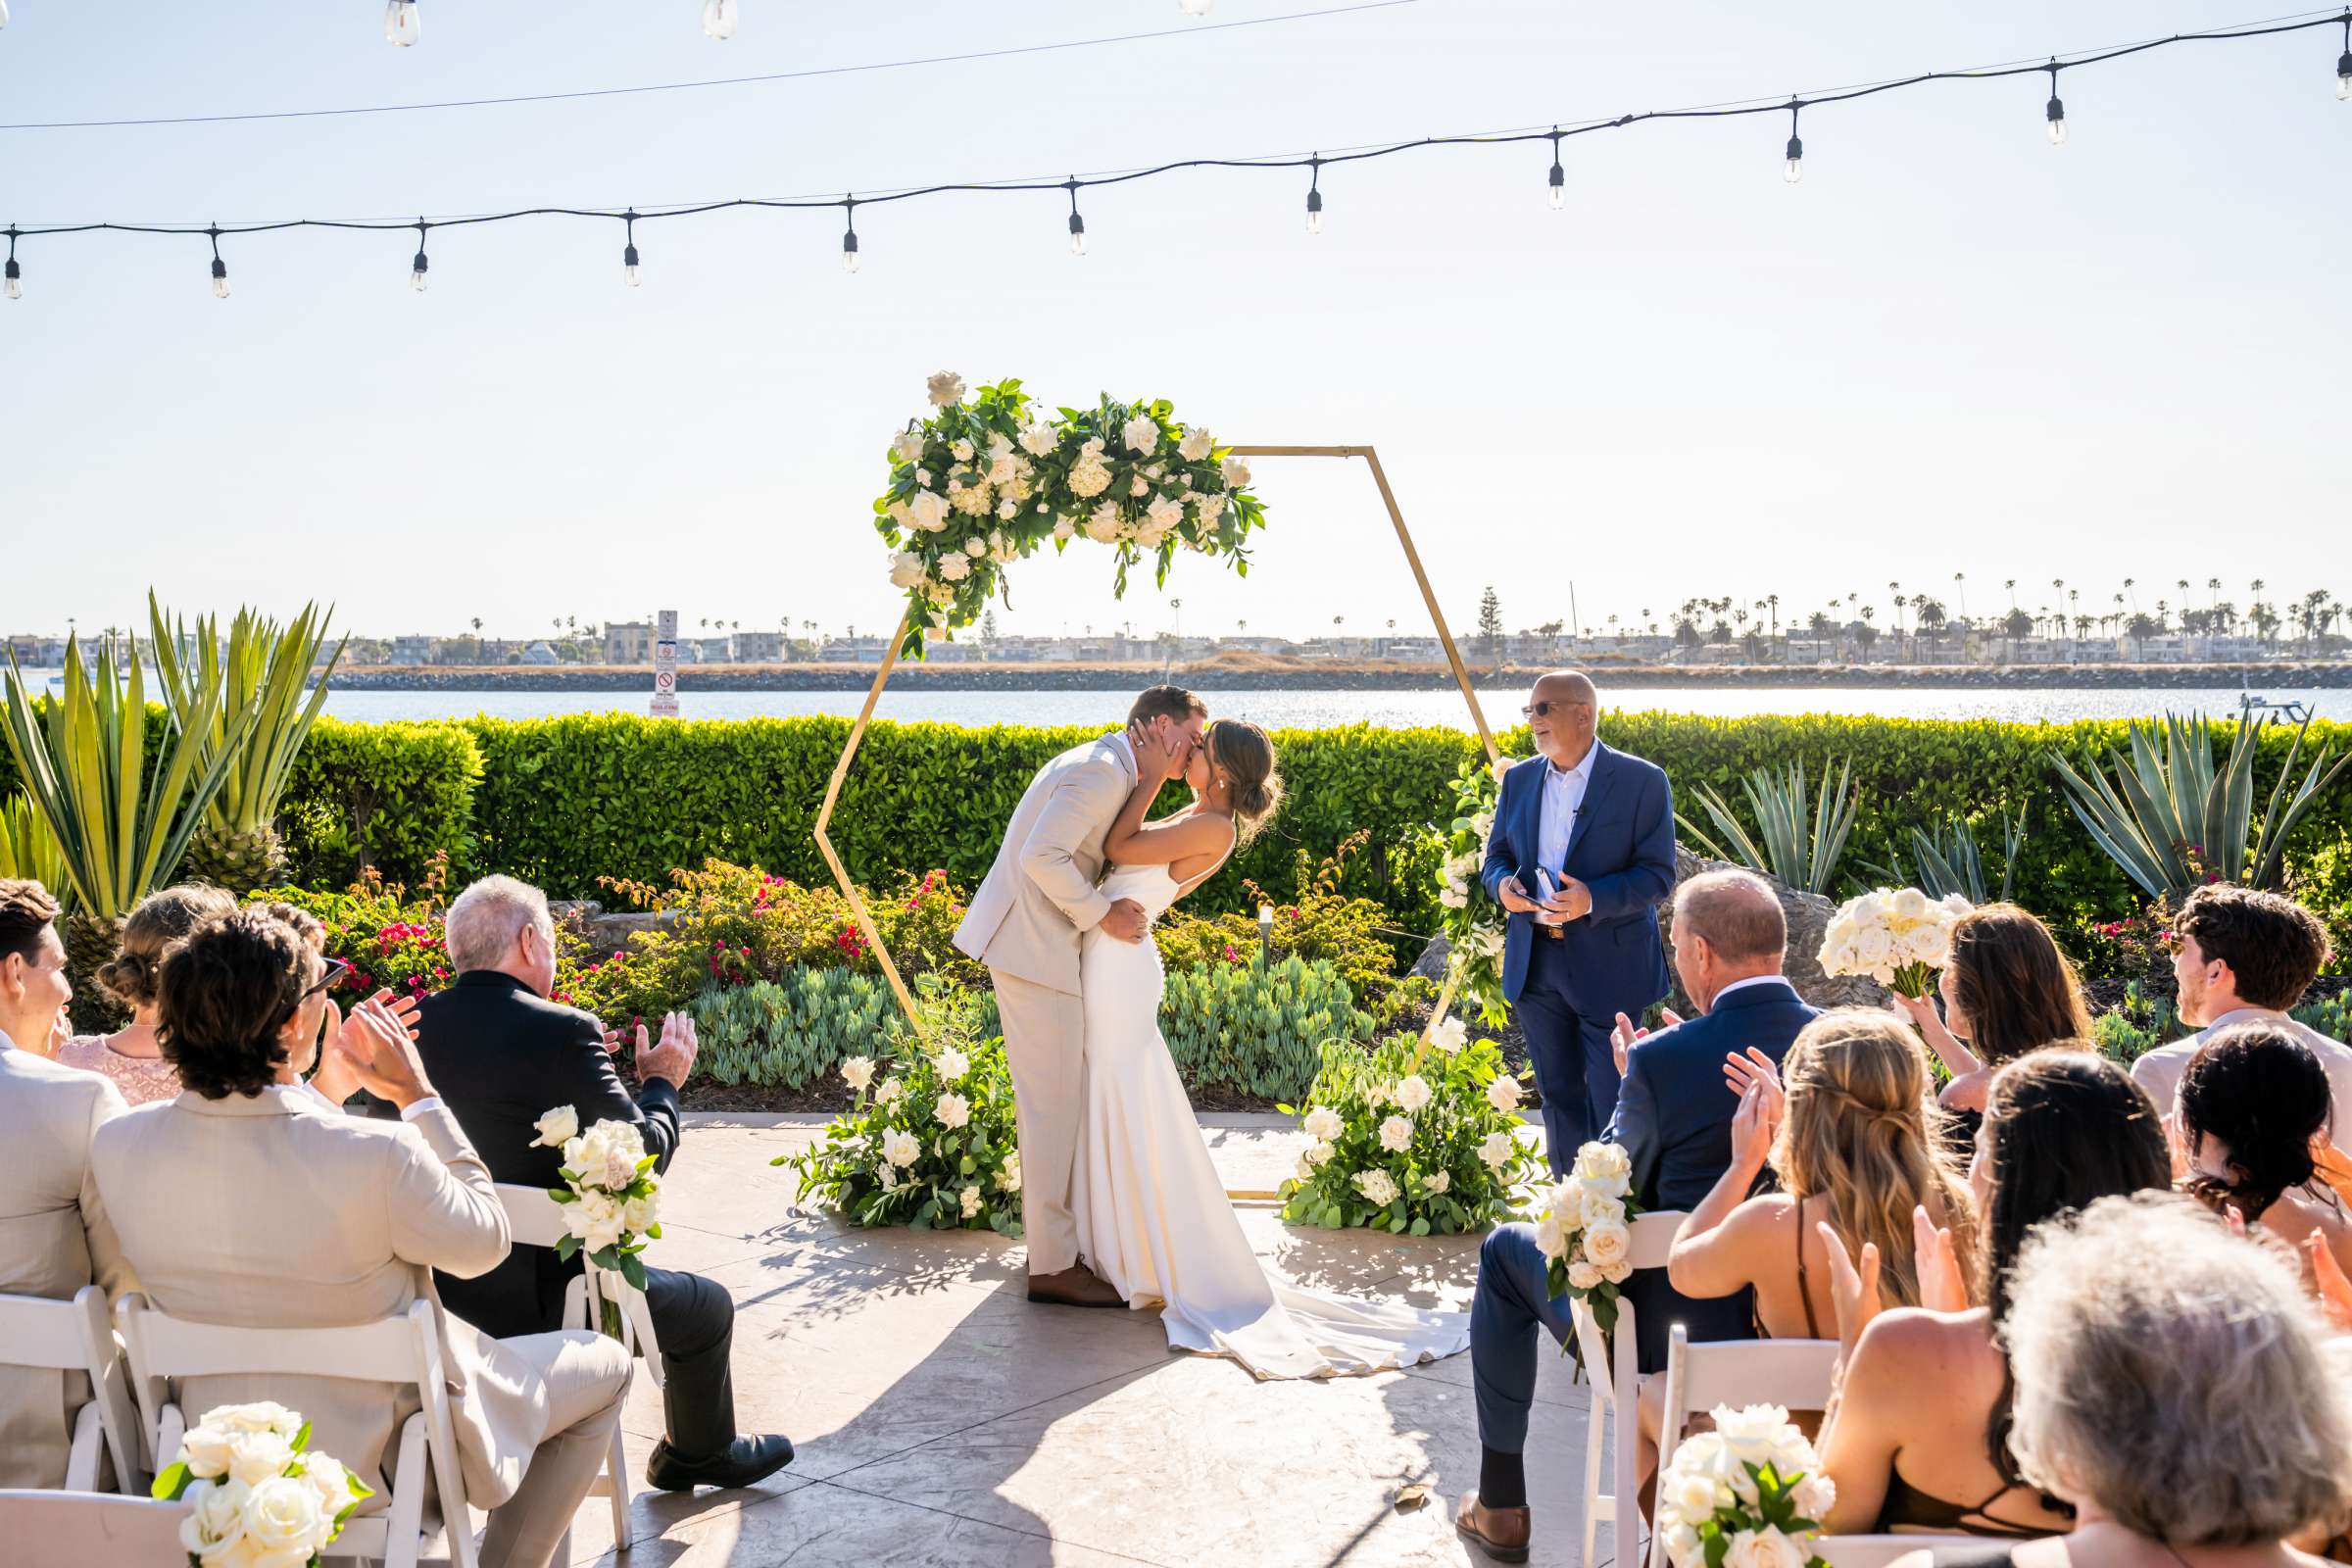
column 741, row 1463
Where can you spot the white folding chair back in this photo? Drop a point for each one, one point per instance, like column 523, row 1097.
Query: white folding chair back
column 535, row 1219
column 90, row 1527
column 1877, row 1551
column 403, row 1350
column 75, row 1337
column 1792, row 1373
column 1616, row 1388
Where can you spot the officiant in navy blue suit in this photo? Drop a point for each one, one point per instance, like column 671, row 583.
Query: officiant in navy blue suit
column 1582, row 852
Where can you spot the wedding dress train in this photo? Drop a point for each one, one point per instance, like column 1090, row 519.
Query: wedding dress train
column 1151, row 1212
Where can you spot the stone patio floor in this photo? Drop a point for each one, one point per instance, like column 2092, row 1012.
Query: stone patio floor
column 941, row 1419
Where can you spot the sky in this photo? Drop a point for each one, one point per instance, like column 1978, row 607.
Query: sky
column 1951, row 349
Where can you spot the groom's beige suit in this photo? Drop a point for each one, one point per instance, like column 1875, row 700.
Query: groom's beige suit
column 1025, row 923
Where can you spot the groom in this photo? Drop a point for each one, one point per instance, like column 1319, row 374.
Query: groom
column 1024, row 923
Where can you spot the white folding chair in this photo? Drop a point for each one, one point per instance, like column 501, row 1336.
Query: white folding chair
column 1616, row 1391
column 1877, row 1551
column 535, row 1219
column 91, row 1526
column 1792, row 1373
column 403, row 1351
column 75, row 1337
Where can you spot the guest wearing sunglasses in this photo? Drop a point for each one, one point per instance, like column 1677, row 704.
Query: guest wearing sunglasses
column 1582, row 852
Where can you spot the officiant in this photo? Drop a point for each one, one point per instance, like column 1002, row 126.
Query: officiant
column 1582, row 852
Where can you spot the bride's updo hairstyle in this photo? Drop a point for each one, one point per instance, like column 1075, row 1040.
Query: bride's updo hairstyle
column 1241, row 751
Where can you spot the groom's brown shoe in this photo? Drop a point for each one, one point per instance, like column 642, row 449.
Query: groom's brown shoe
column 1075, row 1285
column 1500, row 1533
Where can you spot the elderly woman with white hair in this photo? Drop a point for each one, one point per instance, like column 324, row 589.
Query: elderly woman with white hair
column 2176, row 1387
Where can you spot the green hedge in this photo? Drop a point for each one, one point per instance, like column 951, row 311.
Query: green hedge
column 383, row 795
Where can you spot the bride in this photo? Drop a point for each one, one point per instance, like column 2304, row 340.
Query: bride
column 1151, row 1212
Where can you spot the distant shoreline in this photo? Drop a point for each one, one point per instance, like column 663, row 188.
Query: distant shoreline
column 1269, row 674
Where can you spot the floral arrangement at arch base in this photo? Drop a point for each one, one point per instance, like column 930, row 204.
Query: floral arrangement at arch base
column 1748, row 1495
column 1472, row 921
column 985, row 482
column 256, row 1496
column 1413, row 1138
column 610, row 1195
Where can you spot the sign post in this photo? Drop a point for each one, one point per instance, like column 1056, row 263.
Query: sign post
column 665, row 666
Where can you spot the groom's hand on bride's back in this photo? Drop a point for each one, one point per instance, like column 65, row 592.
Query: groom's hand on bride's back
column 1125, row 920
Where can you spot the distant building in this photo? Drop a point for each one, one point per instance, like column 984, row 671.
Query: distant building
column 628, row 642
column 540, row 653
column 760, row 646
column 412, row 649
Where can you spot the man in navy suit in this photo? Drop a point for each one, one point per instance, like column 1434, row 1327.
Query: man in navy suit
column 1594, row 826
column 1673, row 1120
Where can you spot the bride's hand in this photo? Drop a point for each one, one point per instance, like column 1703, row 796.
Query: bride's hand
column 1154, row 753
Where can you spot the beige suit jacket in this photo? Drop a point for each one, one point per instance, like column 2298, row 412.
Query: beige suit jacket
column 54, row 1239
column 1039, row 896
column 278, row 1211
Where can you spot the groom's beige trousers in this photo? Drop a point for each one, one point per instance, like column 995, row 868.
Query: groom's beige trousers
column 1044, row 1046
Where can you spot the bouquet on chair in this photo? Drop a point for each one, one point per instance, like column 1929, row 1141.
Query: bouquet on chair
column 1747, row 1495
column 612, row 1195
column 1899, row 938
column 1586, row 1231
column 257, row 1497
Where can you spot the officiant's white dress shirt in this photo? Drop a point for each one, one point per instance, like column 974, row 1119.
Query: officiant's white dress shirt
column 1563, row 798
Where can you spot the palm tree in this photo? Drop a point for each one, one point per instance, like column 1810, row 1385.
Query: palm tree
column 2140, row 628
column 2011, row 585
column 2017, row 624
column 1932, row 621
column 1867, row 634
column 2133, row 591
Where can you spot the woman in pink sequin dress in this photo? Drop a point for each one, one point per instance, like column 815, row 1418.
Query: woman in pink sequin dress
column 129, row 1056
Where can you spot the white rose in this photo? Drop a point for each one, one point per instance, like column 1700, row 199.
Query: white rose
column 1910, row 905
column 858, row 1072
column 1103, row 526
column 256, row 1456
column 1609, row 1243
column 1196, row 445
column 1683, row 1547
column 1503, row 1093
column 906, row 571
column 1617, row 1273
column 951, row 1064
column 953, row 1110
column 1379, row 1093
column 637, row 1214
column 1491, row 938
column 1396, row 1134
column 1763, row 1548
column 1304, row 1170
column 907, row 446
column 1815, row 1497
column 562, row 1124
column 1141, row 433
column 1438, row 1181
column 1010, row 1178
column 1319, row 1153
column 946, row 388
column 1006, row 510
column 1066, row 528
column 1413, row 1094
column 261, row 1415
column 1450, row 1036
column 283, row 1514
column 962, row 451
column 334, row 1485
column 1552, row 1239
column 205, row 1451
column 1583, row 1275
column 1873, row 946
column 1237, row 473
column 927, row 510
column 899, row 1147
column 1038, row 438
column 1139, row 486
column 969, row 1201
column 891, row 1090
column 975, row 547
column 1496, row 1151
column 1693, row 1494
column 1595, row 1207
column 1377, row 1186
column 1322, row 1124
column 1164, row 515
column 215, row 1516
column 1454, row 898
column 955, row 569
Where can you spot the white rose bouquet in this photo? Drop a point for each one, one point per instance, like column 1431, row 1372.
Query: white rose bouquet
column 257, row 1497
column 1472, row 921
column 1899, row 937
column 1586, row 1231
column 1747, row 1495
column 984, row 481
column 611, row 1197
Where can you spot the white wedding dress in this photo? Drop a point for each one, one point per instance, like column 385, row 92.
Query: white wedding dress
column 1153, row 1216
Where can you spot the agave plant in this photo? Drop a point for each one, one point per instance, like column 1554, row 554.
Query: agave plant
column 122, row 819
column 237, row 845
column 1799, row 840
column 1946, row 860
column 2170, row 818
column 28, row 849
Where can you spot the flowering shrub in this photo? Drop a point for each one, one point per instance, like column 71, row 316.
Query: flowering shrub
column 1749, row 1494
column 1410, row 1137
column 929, row 1142
column 980, row 485
column 1316, row 923
column 1585, row 1232
column 1472, row 921
column 256, row 1491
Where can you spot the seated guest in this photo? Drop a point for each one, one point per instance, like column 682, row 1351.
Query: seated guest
column 2007, row 990
column 2253, row 1104
column 1918, row 1437
column 54, row 1234
column 129, row 1056
column 1674, row 1121
column 2176, row 1389
column 2244, row 957
column 505, row 1056
column 198, row 1189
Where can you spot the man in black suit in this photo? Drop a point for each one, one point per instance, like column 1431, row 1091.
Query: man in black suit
column 502, row 1055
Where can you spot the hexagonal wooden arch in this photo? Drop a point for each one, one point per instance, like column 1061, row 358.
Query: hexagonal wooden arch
column 890, row 659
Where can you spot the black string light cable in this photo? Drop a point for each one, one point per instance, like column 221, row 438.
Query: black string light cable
column 1314, row 163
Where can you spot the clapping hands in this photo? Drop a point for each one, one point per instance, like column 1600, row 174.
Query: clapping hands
column 673, row 1059
column 1622, row 1037
column 1756, row 1080
column 373, row 1048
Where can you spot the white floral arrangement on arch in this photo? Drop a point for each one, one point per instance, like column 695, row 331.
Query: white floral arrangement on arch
column 611, row 1198
column 1585, row 1229
column 1898, row 937
column 988, row 479
column 1747, row 1495
column 1474, row 924
column 258, row 1497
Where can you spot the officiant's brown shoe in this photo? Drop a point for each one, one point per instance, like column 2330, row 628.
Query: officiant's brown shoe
column 1075, row 1285
column 1500, row 1533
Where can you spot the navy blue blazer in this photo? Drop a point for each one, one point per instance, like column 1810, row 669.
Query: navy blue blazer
column 1622, row 847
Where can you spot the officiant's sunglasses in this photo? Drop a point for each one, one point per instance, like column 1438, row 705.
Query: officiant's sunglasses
column 1542, row 710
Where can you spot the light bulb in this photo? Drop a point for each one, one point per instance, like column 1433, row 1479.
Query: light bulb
column 16, row 280
column 1077, row 235
column 2055, row 114
column 2343, row 73
column 628, row 265
column 1559, row 187
column 1314, row 211
column 401, row 24
column 718, row 18
column 1796, row 162
column 848, row 251
column 416, row 273
column 219, row 278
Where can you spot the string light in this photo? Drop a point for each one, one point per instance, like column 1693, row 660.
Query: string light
column 849, row 240
column 1077, row 222
column 417, row 269
column 2055, row 111
column 718, row 18
column 1797, row 147
column 219, row 267
column 1315, row 195
column 401, row 24
column 1559, row 175
column 15, row 274
column 628, row 253
column 2344, row 62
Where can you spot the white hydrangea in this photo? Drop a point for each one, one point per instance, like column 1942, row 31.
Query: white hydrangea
column 1010, row 1178
column 969, row 1201
column 1378, row 1187
column 1090, row 476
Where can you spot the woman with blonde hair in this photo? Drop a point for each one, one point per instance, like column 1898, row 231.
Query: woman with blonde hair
column 129, row 1057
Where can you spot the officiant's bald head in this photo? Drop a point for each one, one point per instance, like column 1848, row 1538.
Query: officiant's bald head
column 1563, row 713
